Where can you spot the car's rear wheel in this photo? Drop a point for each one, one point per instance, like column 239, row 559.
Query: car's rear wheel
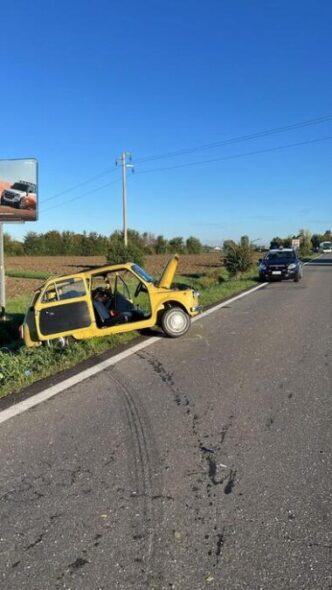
column 61, row 342
column 175, row 322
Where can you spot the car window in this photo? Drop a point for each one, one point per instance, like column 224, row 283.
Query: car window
column 280, row 255
column 66, row 289
column 143, row 274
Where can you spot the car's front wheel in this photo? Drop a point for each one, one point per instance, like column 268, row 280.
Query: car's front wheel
column 175, row 322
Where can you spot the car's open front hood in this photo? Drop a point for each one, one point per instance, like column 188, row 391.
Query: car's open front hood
column 168, row 273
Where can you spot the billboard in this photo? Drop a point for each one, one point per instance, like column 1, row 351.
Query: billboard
column 18, row 190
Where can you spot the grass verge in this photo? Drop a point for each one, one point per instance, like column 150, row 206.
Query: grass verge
column 20, row 366
column 28, row 274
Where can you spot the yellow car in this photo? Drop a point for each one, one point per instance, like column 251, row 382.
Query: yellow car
column 108, row 300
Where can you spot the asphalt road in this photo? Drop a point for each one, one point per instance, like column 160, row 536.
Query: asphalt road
column 202, row 462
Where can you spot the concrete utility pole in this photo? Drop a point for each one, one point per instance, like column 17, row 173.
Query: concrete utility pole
column 123, row 162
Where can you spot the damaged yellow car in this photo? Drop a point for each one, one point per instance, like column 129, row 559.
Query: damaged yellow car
column 108, row 300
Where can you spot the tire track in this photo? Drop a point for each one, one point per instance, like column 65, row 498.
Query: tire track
column 148, row 489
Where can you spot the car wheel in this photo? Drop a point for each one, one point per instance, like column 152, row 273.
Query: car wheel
column 261, row 278
column 175, row 322
column 61, row 342
column 297, row 277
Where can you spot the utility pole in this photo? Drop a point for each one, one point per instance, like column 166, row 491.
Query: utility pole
column 123, row 161
column 2, row 276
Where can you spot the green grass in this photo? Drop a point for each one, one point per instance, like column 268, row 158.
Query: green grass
column 28, row 274
column 20, row 366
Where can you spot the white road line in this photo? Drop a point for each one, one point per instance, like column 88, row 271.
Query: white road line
column 34, row 400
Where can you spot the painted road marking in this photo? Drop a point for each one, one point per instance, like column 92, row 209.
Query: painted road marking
column 42, row 396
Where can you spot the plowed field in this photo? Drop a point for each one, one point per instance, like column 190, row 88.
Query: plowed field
column 58, row 265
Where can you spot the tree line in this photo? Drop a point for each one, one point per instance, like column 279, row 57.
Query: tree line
column 68, row 243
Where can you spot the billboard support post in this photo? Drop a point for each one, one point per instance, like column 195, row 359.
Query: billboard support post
column 2, row 276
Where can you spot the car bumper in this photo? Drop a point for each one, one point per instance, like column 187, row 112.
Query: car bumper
column 280, row 274
column 196, row 309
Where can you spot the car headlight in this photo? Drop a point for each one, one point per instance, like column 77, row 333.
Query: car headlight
column 196, row 293
column 292, row 266
column 262, row 266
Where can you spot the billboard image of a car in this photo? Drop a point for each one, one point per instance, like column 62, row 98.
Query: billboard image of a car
column 21, row 195
column 18, row 190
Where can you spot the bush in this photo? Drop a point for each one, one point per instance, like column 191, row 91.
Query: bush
column 238, row 258
column 119, row 254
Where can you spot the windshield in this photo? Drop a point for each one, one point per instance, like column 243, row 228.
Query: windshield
column 141, row 273
column 280, row 255
column 20, row 186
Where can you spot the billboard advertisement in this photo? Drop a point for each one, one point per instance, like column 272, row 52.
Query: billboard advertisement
column 18, row 190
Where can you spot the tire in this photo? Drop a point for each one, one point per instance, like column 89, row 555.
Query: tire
column 175, row 322
column 297, row 277
column 61, row 342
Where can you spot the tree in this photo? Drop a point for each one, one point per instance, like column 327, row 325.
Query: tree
column 160, row 245
column 276, row 242
column 305, row 242
column 53, row 245
column 33, row 244
column 12, row 247
column 119, row 253
column 193, row 245
column 316, row 239
column 176, row 245
column 238, row 258
column 228, row 244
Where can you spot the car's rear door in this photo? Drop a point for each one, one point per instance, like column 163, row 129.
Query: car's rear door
column 64, row 307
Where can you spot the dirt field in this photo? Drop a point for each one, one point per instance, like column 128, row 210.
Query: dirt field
column 58, row 265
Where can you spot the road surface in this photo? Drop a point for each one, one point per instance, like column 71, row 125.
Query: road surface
column 202, row 462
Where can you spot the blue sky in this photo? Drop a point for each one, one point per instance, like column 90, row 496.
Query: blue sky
column 83, row 81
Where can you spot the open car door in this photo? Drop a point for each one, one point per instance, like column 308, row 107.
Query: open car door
column 64, row 306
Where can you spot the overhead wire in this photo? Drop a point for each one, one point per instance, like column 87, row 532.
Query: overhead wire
column 83, row 183
column 234, row 156
column 204, row 147
column 237, row 139
column 81, row 196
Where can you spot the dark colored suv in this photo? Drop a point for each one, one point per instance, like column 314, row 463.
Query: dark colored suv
column 279, row 264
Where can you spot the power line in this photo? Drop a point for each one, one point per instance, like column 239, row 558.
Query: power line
column 83, row 183
column 190, row 164
column 99, row 188
column 203, row 147
column 231, row 157
column 237, row 139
